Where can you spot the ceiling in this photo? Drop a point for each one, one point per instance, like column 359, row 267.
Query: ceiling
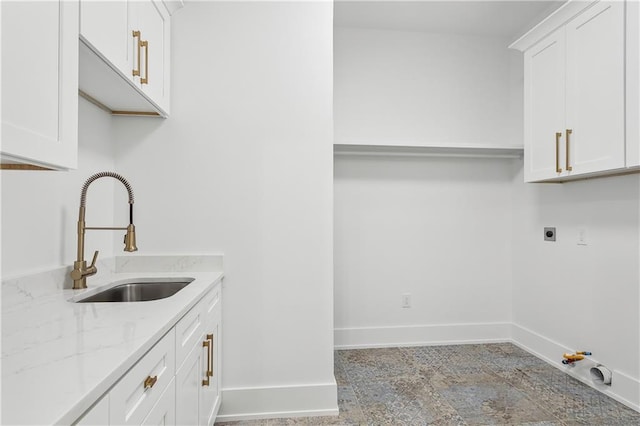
column 507, row 19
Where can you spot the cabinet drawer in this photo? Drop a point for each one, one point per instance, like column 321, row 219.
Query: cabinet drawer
column 133, row 397
column 211, row 305
column 164, row 412
column 188, row 332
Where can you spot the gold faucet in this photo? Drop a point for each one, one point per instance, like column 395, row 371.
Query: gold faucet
column 80, row 270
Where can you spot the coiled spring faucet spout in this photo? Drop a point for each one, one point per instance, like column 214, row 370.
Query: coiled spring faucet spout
column 80, row 270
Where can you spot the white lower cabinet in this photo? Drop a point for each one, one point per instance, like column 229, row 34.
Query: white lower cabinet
column 189, row 331
column 177, row 381
column 133, row 397
column 164, row 412
column 210, row 394
column 198, row 378
column 188, row 384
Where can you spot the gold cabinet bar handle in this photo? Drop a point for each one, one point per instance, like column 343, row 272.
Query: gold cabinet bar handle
column 145, row 80
column 207, row 345
column 558, row 136
column 569, row 132
column 210, row 367
column 150, row 381
column 136, row 72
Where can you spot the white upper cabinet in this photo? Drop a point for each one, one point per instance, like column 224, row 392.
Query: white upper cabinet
column 544, row 107
column 104, row 26
column 595, row 89
column 633, row 84
column 40, row 84
column 125, row 55
column 574, row 92
column 152, row 52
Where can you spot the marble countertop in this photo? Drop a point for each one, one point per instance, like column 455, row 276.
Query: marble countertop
column 59, row 357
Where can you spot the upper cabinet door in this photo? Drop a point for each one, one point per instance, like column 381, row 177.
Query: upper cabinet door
column 596, row 89
column 124, row 55
column 544, row 97
column 40, row 83
column 152, row 21
column 104, row 26
column 575, row 112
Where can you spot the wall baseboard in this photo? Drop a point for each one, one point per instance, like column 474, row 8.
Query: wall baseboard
column 416, row 335
column 279, row 401
column 624, row 388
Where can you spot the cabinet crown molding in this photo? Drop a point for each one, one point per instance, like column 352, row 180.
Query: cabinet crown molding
column 551, row 23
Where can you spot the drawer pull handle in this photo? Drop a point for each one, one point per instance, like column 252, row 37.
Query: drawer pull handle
column 558, row 168
column 136, row 72
column 206, row 344
column 210, row 372
column 145, row 80
column 569, row 131
column 150, row 381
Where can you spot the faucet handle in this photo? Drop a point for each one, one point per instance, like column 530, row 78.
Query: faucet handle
column 95, row 257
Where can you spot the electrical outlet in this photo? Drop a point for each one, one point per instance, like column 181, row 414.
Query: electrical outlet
column 550, row 233
column 582, row 237
column 406, row 300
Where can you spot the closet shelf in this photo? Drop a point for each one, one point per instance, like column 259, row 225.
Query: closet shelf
column 427, row 150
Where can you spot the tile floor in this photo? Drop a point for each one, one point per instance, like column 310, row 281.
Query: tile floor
column 492, row 384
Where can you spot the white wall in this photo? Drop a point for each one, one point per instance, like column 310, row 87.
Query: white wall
column 572, row 297
column 437, row 228
column 462, row 235
column 40, row 208
column 244, row 166
column 395, row 87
